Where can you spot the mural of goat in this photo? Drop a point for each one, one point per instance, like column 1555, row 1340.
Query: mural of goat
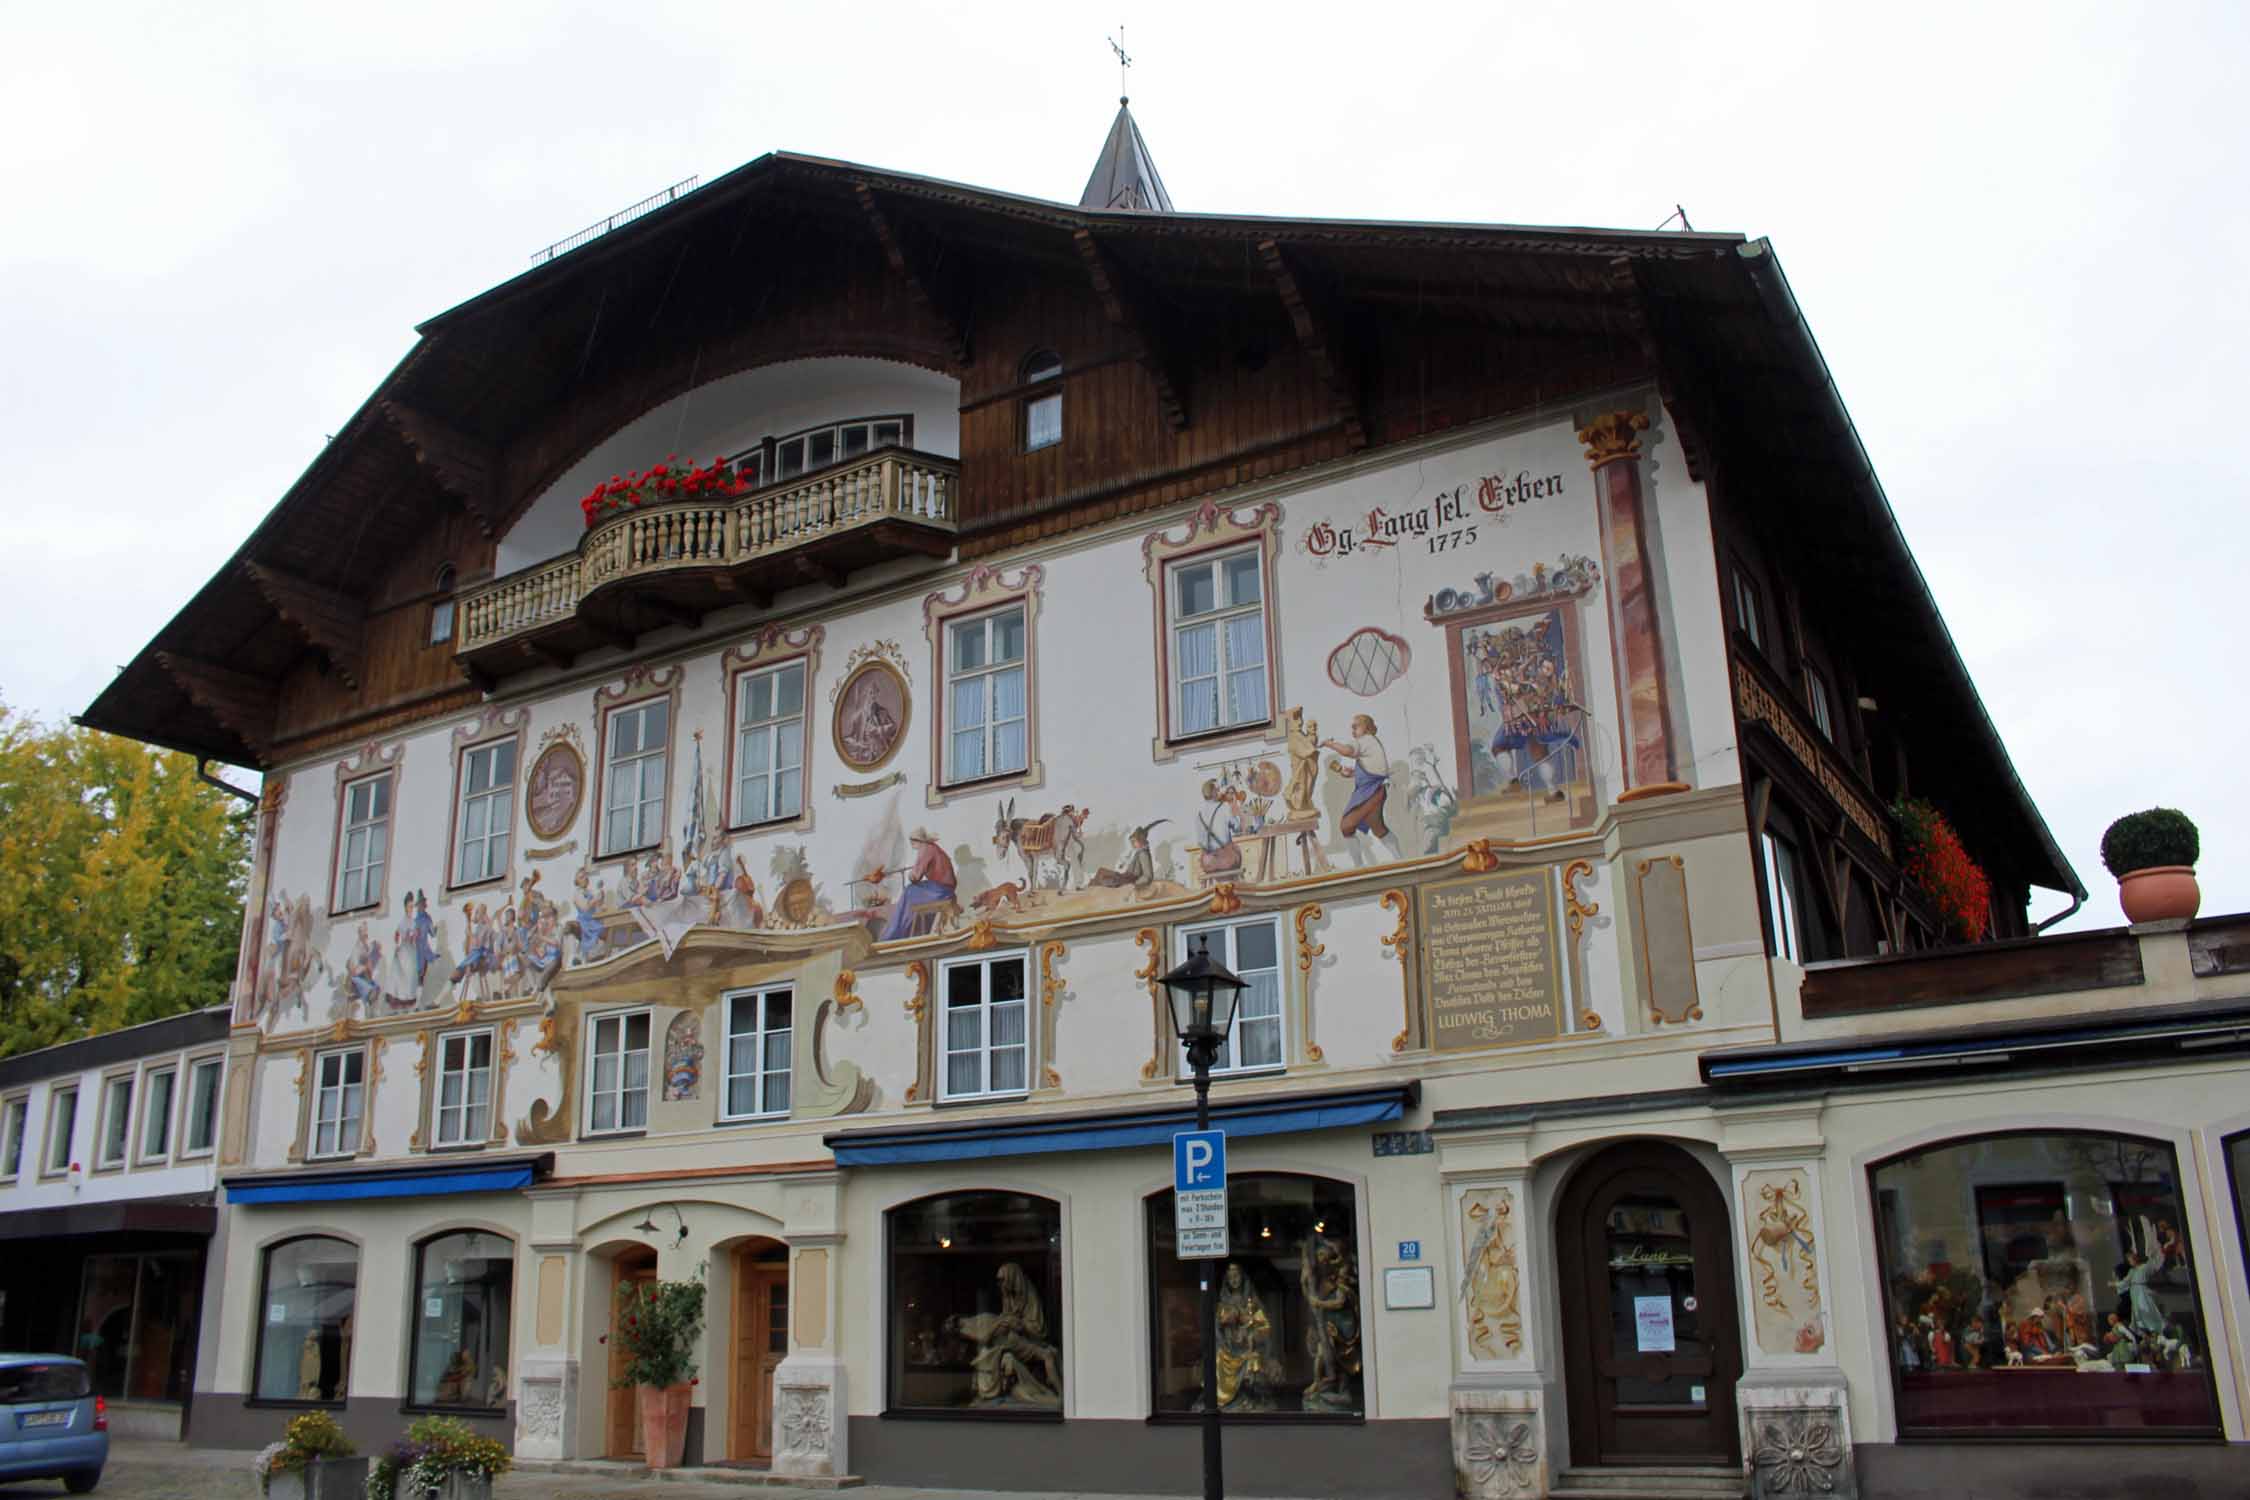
column 1055, row 835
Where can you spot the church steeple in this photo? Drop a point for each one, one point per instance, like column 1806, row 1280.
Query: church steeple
column 1125, row 174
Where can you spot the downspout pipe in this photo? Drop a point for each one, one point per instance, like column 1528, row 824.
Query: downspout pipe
column 2077, row 900
column 203, row 774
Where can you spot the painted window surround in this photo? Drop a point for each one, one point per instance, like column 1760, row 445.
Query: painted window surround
column 766, row 648
column 493, row 727
column 985, row 590
column 639, row 686
column 1206, row 533
column 372, row 760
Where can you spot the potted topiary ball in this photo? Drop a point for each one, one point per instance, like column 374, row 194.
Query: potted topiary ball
column 2153, row 856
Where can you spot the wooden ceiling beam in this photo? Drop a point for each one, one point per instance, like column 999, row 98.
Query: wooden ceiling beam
column 1670, row 366
column 919, row 278
column 1316, row 328
column 818, row 571
column 333, row 624
column 464, row 467
column 1127, row 316
column 240, row 703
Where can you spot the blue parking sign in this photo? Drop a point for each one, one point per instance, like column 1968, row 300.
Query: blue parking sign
column 1199, row 1160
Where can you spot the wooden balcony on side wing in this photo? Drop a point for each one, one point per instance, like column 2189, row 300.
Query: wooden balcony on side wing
column 673, row 564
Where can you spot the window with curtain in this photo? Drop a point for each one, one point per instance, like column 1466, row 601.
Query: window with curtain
column 638, row 754
column 2042, row 1283
column 487, row 813
column 463, row 1107
column 339, row 1087
column 464, row 1289
column 366, row 843
column 769, row 744
column 1252, row 949
column 976, row 1313
column 1289, row 1303
column 758, row 1059
column 1042, row 405
column 986, row 1040
column 617, row 1097
column 986, row 721
column 307, row 1297
column 1216, row 607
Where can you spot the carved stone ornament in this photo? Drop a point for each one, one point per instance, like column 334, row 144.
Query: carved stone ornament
column 1499, row 1456
column 1797, row 1453
column 539, row 1408
column 1613, row 435
column 804, row 1421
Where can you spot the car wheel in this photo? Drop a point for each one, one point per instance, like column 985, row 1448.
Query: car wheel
column 83, row 1481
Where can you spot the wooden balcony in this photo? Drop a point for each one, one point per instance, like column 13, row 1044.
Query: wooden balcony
column 673, row 564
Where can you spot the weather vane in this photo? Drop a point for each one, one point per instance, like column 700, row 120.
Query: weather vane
column 1124, row 59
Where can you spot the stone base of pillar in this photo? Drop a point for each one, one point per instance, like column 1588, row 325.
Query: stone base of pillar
column 1797, row 1433
column 547, row 1408
column 811, row 1422
column 1500, row 1441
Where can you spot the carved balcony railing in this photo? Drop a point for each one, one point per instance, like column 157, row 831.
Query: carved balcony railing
column 671, row 564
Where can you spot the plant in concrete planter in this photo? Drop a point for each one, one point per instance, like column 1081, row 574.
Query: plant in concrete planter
column 441, row 1456
column 658, row 1326
column 2153, row 855
column 313, row 1461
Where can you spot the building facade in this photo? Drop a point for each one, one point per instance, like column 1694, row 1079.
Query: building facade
column 108, row 1208
column 813, row 657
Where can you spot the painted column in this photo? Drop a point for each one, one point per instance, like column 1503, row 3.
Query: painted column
column 811, row 1409
column 1794, row 1401
column 1636, row 640
column 547, row 1373
column 1501, row 1396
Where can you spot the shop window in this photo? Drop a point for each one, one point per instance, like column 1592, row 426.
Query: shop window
column 987, row 1038
column 339, row 1102
column 464, row 1088
column 363, row 849
column 758, row 1033
column 306, row 1300
column 62, row 1123
column 638, row 755
column 117, row 1121
column 156, row 1114
column 202, row 1125
column 976, row 1304
column 2008, row 1258
column 137, row 1316
column 15, row 1119
column 464, row 1287
column 985, row 705
column 769, row 744
column 1783, row 895
column 1217, row 630
column 485, row 812
column 618, row 1098
column 1042, row 404
column 1289, row 1309
column 1252, row 949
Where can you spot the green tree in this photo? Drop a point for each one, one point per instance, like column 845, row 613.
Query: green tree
column 121, row 883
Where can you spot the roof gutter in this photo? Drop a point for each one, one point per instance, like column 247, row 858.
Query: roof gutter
column 1774, row 290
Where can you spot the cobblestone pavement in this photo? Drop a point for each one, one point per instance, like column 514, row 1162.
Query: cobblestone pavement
column 171, row 1471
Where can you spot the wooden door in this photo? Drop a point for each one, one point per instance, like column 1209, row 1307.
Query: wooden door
column 1652, row 1341
column 624, row 1404
column 761, row 1340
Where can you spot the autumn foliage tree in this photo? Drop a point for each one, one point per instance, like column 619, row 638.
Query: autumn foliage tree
column 121, row 883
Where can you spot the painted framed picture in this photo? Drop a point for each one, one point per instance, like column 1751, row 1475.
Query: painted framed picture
column 558, row 785
column 871, row 715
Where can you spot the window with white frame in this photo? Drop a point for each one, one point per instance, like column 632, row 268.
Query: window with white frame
column 1042, row 408
column 1816, row 699
column 758, row 1039
column 157, row 1096
column 1781, row 897
column 1252, row 949
column 339, row 1101
column 838, row 442
column 1217, row 614
column 487, row 812
column 62, row 1124
column 117, row 1121
column 618, row 1056
column 638, row 754
column 987, row 1034
column 201, row 1131
column 15, row 1119
column 1748, row 617
column 986, row 714
column 769, row 744
column 463, row 1108
column 366, row 842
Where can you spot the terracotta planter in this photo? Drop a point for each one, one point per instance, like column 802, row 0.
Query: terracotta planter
column 2159, row 893
column 664, row 1413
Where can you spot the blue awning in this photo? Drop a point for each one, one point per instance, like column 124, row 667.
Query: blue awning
column 1271, row 1114
column 473, row 1175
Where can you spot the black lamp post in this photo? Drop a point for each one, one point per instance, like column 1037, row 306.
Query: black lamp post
column 1203, row 996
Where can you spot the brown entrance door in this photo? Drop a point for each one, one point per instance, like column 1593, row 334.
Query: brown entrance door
column 761, row 1339
column 1649, row 1324
column 624, row 1404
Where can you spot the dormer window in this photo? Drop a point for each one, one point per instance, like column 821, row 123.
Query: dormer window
column 1042, row 402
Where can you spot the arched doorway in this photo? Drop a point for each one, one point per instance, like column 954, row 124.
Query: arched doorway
column 624, row 1432
column 1651, row 1338
column 760, row 1341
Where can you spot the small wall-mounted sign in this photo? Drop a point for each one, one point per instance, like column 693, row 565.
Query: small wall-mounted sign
column 1404, row 1143
column 1409, row 1249
column 1409, row 1287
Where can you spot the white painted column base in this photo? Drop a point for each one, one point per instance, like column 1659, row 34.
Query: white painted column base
column 1500, row 1442
column 547, row 1408
column 1797, row 1433
column 811, row 1422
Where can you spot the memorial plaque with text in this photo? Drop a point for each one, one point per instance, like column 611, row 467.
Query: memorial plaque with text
column 1491, row 964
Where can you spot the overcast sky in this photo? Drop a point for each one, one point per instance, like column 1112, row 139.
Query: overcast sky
column 2019, row 233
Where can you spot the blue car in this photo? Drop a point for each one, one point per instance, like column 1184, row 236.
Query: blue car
column 52, row 1425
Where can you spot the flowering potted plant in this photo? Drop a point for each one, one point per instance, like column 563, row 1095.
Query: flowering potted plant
column 1938, row 862
column 659, row 1324
column 313, row 1461
column 2153, row 856
column 670, row 480
column 441, row 1456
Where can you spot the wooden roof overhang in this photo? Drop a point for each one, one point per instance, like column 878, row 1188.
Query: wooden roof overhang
column 504, row 391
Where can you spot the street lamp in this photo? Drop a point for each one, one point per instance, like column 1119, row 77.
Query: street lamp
column 1203, row 994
